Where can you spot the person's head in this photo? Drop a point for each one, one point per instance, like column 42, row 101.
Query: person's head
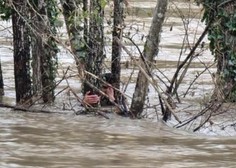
column 109, row 78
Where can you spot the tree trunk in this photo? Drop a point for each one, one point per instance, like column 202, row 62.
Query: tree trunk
column 37, row 51
column 77, row 29
column 151, row 49
column 224, row 46
column 44, row 48
column 86, row 23
column 21, row 44
column 73, row 15
column 95, row 58
column 1, row 81
column 36, row 64
column 86, row 35
column 49, row 57
column 116, row 48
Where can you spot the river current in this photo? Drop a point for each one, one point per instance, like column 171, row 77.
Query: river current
column 30, row 140
column 56, row 140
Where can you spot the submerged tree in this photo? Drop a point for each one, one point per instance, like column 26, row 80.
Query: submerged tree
column 33, row 32
column 44, row 48
column 1, row 82
column 95, row 58
column 37, row 50
column 86, row 35
column 74, row 15
column 21, row 44
column 222, row 36
column 118, row 22
column 151, row 49
column 50, row 49
column 19, row 12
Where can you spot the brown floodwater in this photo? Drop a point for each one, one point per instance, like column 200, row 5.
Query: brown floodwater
column 30, row 140
column 40, row 140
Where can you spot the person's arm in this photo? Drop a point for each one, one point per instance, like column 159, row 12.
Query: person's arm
column 90, row 98
column 110, row 94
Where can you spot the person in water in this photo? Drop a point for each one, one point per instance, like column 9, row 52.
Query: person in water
column 109, row 100
column 93, row 98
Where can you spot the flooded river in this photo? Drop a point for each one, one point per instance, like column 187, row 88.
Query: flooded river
column 36, row 140
column 64, row 141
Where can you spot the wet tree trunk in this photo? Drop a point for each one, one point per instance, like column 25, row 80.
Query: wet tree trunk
column 225, row 51
column 116, row 49
column 1, row 81
column 36, row 72
column 86, row 35
column 45, row 61
column 37, row 51
column 151, row 49
column 49, row 59
column 74, row 19
column 21, row 44
column 86, row 22
column 95, row 58
column 77, row 28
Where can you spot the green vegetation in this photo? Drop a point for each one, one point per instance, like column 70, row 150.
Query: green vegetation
column 5, row 10
column 221, row 14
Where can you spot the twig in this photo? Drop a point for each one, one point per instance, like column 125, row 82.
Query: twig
column 225, row 3
column 150, row 79
column 209, row 116
column 197, row 76
column 169, row 90
column 195, row 117
column 64, row 77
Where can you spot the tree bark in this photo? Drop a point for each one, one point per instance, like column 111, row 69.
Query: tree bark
column 37, row 50
column 225, row 52
column 77, row 29
column 86, row 35
column 151, row 49
column 1, row 81
column 116, row 48
column 95, row 57
column 74, row 19
column 50, row 49
column 21, row 44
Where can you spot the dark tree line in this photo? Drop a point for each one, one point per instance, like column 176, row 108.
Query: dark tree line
column 34, row 32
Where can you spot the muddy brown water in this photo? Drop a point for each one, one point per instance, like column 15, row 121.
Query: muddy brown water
column 57, row 141
column 30, row 140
